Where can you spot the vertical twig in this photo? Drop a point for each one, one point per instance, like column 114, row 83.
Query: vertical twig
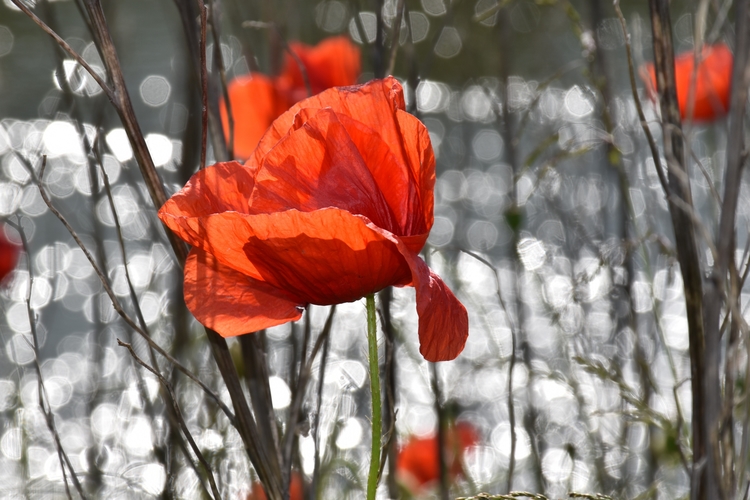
column 389, row 413
column 442, row 428
column 717, row 290
column 510, row 151
column 395, row 37
column 704, row 350
column 42, row 393
column 124, row 107
column 256, row 377
column 204, row 83
column 178, row 414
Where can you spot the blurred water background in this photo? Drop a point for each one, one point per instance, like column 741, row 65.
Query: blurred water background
column 532, row 176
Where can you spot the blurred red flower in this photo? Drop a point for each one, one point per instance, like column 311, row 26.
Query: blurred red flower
column 8, row 255
column 334, row 204
column 257, row 100
column 418, row 466
column 713, row 81
column 296, row 492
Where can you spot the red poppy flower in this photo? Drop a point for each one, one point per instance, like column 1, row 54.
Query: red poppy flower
column 296, row 492
column 418, row 466
column 334, row 62
column 713, row 81
column 335, row 203
column 8, row 255
column 258, row 100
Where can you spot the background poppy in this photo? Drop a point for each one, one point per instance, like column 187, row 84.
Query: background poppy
column 296, row 490
column 8, row 255
column 418, row 463
column 256, row 99
column 713, row 81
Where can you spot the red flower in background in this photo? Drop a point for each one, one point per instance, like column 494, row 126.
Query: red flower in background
column 257, row 100
column 8, row 255
column 713, row 81
column 335, row 204
column 334, row 62
column 418, row 465
column 296, row 491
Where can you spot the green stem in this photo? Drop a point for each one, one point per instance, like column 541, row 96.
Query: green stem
column 377, row 419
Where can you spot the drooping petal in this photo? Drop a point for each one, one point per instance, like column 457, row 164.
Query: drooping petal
column 255, row 103
column 443, row 320
column 324, row 257
column 232, row 303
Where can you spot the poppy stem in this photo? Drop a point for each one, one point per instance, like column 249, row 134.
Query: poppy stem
column 377, row 419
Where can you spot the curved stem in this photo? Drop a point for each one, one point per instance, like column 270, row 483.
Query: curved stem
column 377, row 421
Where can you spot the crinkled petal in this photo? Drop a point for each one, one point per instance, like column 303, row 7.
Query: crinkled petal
column 395, row 146
column 395, row 179
column 223, row 187
column 417, row 147
column 232, row 303
column 324, row 257
column 255, row 103
column 318, row 166
column 373, row 104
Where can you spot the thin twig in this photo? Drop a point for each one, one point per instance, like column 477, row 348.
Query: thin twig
column 204, row 84
column 637, row 100
column 300, row 390
column 178, row 413
column 511, row 364
column 115, row 302
column 275, row 28
column 395, row 37
column 67, row 48
column 42, row 392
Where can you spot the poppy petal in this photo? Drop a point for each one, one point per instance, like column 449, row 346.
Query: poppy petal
column 395, row 179
column 443, row 320
column 230, row 302
column 417, row 147
column 222, row 187
column 317, row 166
column 372, row 104
column 323, row 257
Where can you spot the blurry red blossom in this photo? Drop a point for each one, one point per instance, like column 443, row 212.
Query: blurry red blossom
column 8, row 255
column 256, row 99
column 418, row 463
column 713, row 81
column 296, row 490
column 334, row 204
